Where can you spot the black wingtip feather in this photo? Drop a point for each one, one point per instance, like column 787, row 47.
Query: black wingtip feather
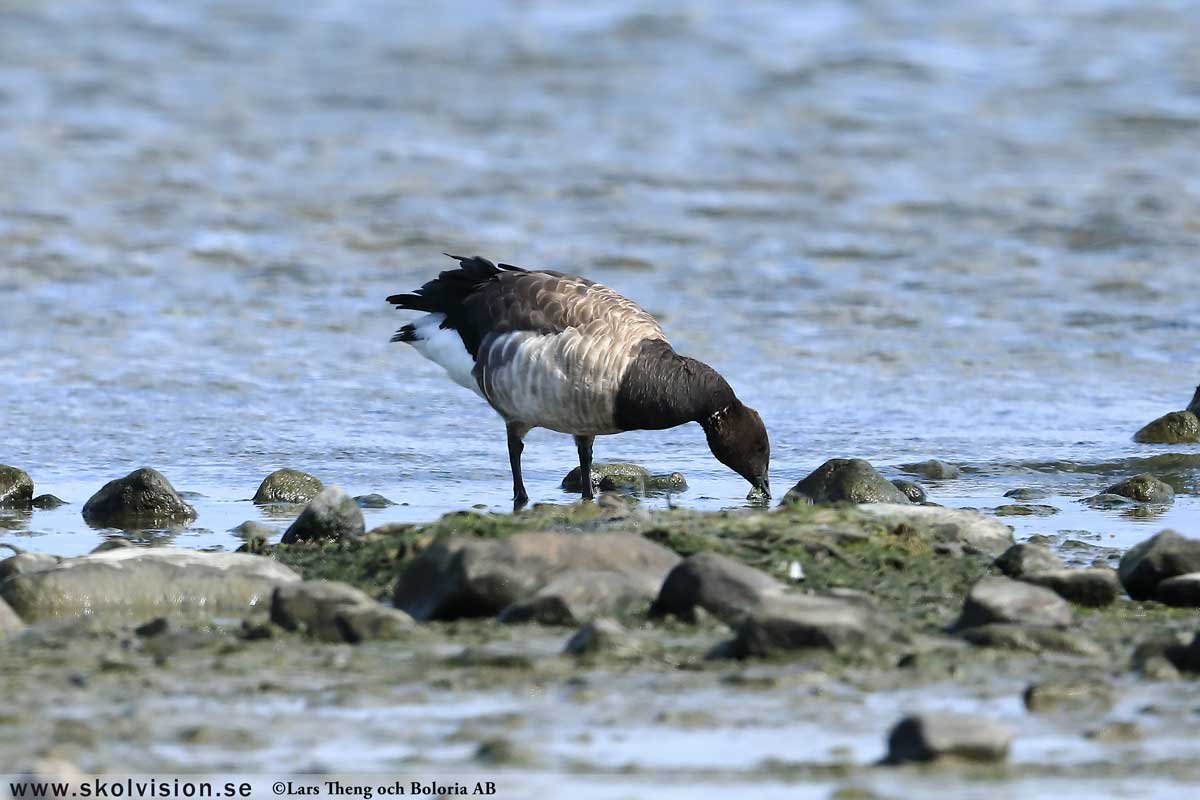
column 406, row 334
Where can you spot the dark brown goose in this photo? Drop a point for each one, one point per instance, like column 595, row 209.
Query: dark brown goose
column 556, row 351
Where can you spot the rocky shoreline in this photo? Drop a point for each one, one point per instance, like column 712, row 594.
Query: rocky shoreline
column 868, row 598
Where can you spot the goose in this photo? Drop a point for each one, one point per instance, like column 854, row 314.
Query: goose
column 551, row 350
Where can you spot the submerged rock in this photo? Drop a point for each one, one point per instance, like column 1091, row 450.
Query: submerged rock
column 1143, row 489
column 143, row 498
column 603, row 635
column 1026, row 494
column 470, row 577
column 16, row 487
column 578, row 595
column 1164, row 555
column 288, row 486
column 933, row 470
column 331, row 515
column 333, row 612
column 851, row 480
column 135, row 581
column 47, row 501
column 373, row 501
column 723, row 586
column 253, row 529
column 930, row 737
column 800, row 622
column 1025, row 510
column 1177, row 427
column 997, row 599
column 1023, row 559
column 1181, row 591
column 974, row 531
column 912, row 491
column 1093, row 587
column 1064, row 695
column 609, row 477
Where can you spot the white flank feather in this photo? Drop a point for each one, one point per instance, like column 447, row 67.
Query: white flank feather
column 445, row 348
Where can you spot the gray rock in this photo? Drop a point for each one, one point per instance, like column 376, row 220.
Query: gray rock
column 602, row 635
column 577, row 595
column 933, row 470
column 1068, row 695
column 334, row 612
column 721, row 585
column 144, row 583
column 1105, row 501
column 1025, row 510
column 375, row 622
column 252, row 529
column 114, row 543
column 1026, row 494
column 930, row 737
column 47, row 501
column 9, row 621
column 373, row 501
column 1033, row 639
column 331, row 515
column 1024, row 559
column 912, row 491
column 1163, row 655
column 974, row 531
column 997, row 599
column 23, row 563
column 845, row 479
column 1093, row 587
column 471, row 577
column 1162, row 556
column 1143, row 489
column 288, row 486
column 610, row 477
column 799, row 622
column 1181, row 591
column 1177, row 427
column 143, row 498
column 16, row 487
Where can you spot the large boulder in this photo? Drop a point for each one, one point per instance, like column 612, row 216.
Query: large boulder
column 1025, row 559
column 723, row 586
column 1143, row 489
column 578, row 595
column 802, row 622
column 331, row 515
column 1177, row 427
column 930, row 737
column 288, row 486
column 138, row 582
column 975, row 532
column 470, row 577
column 1162, row 556
column 852, row 480
column 16, row 487
column 143, row 498
column 26, row 562
column 1001, row 600
column 331, row 611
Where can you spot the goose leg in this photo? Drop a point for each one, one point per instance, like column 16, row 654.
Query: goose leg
column 516, row 444
column 584, row 445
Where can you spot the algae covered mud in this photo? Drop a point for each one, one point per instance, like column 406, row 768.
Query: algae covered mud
column 964, row 233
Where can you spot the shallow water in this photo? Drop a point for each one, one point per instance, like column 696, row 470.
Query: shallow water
column 901, row 231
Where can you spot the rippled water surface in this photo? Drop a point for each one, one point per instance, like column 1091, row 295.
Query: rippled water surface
column 901, row 230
